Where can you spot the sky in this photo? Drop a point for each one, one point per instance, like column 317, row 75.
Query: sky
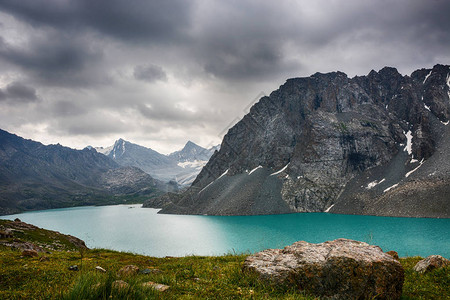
column 160, row 73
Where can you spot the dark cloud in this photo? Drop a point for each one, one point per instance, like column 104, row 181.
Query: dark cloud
column 150, row 73
column 54, row 59
column 138, row 20
column 92, row 60
column 18, row 92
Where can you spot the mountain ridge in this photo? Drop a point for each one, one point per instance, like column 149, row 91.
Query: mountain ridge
column 35, row 176
column 320, row 139
column 181, row 166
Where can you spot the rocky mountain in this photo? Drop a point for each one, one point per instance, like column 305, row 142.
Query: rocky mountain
column 180, row 167
column 35, row 176
column 376, row 144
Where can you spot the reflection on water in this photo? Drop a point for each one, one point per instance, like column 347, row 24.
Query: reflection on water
column 134, row 229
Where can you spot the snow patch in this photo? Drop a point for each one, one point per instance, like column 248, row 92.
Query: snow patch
column 374, row 183
column 408, row 147
column 426, row 107
column 224, row 173
column 123, row 147
column 206, row 187
column 391, row 187
column 192, row 164
column 445, row 123
column 278, row 172
column 426, row 77
column 258, row 167
column 448, row 84
column 328, row 209
column 415, row 169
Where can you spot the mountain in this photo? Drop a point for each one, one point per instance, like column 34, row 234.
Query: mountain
column 192, row 152
column 181, row 166
column 376, row 144
column 192, row 158
column 150, row 161
column 35, row 176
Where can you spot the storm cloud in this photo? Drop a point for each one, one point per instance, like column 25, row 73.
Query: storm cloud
column 159, row 73
column 17, row 92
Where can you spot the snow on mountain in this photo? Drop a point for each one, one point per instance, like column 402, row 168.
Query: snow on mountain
column 180, row 166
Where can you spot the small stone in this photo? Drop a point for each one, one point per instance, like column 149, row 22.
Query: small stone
column 98, row 268
column 394, row 254
column 17, row 220
column 128, row 270
column 44, row 258
column 119, row 284
column 156, row 286
column 430, row 263
column 73, row 268
column 150, row 271
column 30, row 253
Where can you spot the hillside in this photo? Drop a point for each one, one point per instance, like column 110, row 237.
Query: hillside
column 375, row 144
column 47, row 273
column 34, row 176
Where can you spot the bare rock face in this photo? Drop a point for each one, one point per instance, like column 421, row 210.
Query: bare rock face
column 330, row 143
column 430, row 263
column 339, row 269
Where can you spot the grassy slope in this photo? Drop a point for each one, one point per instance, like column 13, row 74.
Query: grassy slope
column 188, row 277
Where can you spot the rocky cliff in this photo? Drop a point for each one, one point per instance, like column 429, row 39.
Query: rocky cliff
column 375, row 144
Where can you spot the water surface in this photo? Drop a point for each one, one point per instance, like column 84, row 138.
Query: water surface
column 141, row 230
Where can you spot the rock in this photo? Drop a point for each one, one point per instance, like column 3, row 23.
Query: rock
column 73, row 268
column 339, row 269
column 394, row 254
column 5, row 234
column 44, row 258
column 150, row 271
column 119, row 284
column 128, row 270
column 30, row 253
column 156, row 286
column 98, row 268
column 430, row 263
column 17, row 220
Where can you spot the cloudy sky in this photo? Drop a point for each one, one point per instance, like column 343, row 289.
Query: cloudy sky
column 159, row 73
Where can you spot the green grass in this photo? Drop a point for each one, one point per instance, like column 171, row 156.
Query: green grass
column 192, row 277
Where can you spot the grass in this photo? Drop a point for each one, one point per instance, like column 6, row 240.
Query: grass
column 193, row 277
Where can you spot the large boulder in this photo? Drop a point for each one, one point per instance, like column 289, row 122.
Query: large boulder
column 339, row 269
column 430, row 263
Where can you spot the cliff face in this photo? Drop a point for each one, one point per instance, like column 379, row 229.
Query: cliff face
column 329, row 142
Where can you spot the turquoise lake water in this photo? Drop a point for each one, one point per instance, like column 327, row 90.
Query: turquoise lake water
column 141, row 230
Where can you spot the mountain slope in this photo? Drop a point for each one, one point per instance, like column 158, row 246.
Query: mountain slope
column 35, row 176
column 332, row 143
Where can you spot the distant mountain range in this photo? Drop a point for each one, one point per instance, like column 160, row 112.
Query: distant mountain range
column 181, row 166
column 370, row 145
column 34, row 176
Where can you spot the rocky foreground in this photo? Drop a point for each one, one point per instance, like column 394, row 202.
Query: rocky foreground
column 374, row 145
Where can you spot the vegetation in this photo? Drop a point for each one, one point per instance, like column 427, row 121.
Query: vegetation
column 47, row 276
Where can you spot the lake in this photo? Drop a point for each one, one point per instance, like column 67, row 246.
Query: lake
column 141, row 230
